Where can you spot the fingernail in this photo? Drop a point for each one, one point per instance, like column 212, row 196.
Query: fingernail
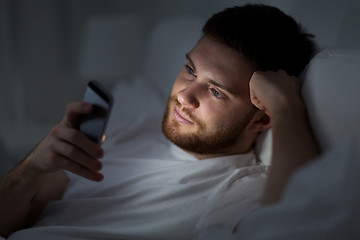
column 99, row 177
column 99, row 165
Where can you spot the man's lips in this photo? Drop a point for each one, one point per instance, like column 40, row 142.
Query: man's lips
column 181, row 117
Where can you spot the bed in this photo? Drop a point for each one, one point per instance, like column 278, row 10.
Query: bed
column 322, row 199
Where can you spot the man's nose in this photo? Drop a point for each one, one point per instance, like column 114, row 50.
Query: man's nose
column 188, row 97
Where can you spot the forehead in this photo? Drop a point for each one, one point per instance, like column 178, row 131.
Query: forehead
column 221, row 63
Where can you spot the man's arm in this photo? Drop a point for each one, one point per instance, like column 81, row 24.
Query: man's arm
column 294, row 145
column 40, row 178
column 24, row 194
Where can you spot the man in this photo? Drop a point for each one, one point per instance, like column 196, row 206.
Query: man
column 213, row 115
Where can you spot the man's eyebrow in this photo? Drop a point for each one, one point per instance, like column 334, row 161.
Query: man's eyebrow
column 221, row 86
column 190, row 60
column 210, row 81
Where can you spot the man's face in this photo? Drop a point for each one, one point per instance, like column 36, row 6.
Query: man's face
column 209, row 109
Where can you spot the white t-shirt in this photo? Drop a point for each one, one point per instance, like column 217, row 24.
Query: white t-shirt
column 152, row 190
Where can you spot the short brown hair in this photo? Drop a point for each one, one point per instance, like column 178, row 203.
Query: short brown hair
column 268, row 37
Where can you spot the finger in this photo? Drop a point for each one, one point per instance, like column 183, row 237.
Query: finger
column 85, row 167
column 253, row 98
column 78, row 139
column 76, row 155
column 255, row 101
column 74, row 110
column 257, row 104
column 80, row 170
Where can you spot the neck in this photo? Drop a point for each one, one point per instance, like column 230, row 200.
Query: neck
column 236, row 149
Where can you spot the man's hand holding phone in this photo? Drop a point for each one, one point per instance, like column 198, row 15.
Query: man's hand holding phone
column 65, row 147
column 75, row 143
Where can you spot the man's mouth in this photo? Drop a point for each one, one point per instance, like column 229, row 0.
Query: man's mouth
column 181, row 117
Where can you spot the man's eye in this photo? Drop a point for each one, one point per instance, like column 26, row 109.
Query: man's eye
column 216, row 93
column 190, row 70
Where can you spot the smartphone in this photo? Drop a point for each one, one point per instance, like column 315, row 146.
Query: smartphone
column 93, row 125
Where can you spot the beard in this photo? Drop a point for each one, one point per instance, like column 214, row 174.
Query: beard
column 201, row 140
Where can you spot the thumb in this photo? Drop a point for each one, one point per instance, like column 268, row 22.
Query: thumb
column 255, row 100
column 74, row 110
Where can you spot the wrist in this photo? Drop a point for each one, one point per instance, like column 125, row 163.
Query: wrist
column 288, row 108
column 30, row 167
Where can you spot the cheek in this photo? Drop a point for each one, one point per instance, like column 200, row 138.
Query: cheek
column 224, row 117
column 178, row 85
column 211, row 115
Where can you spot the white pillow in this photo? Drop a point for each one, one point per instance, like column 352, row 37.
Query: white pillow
column 331, row 93
column 263, row 147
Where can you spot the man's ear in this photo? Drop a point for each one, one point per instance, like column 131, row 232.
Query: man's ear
column 260, row 122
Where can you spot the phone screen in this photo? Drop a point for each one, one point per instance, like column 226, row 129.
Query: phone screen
column 93, row 125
